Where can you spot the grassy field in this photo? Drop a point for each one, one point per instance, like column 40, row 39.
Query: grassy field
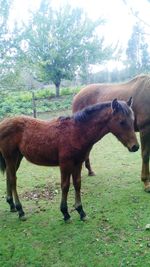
column 117, row 207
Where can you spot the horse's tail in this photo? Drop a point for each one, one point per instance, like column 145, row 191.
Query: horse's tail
column 2, row 164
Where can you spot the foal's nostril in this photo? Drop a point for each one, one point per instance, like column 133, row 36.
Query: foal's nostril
column 135, row 148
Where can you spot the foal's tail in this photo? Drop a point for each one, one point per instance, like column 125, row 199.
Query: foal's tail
column 2, row 164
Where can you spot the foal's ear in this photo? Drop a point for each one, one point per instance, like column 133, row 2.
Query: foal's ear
column 115, row 105
column 130, row 101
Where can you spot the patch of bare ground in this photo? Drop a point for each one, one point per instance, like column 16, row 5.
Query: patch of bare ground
column 48, row 192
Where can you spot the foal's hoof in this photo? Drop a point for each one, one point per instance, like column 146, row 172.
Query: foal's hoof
column 22, row 218
column 91, row 173
column 147, row 189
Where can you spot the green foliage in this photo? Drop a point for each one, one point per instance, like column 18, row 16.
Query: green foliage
column 68, row 91
column 15, row 103
column 5, row 6
column 9, row 47
column 23, row 97
column 45, row 93
column 115, row 202
column 62, row 41
column 137, row 52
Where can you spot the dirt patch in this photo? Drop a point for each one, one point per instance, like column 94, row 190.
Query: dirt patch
column 48, row 192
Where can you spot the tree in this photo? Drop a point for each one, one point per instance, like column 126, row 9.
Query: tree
column 5, row 38
column 62, row 41
column 135, row 13
column 9, row 45
column 145, row 57
column 138, row 58
column 4, row 35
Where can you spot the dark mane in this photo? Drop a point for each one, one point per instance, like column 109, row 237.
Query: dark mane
column 64, row 118
column 86, row 113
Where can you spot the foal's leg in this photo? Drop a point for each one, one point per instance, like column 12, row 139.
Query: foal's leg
column 9, row 197
column 65, row 184
column 145, row 147
column 11, row 174
column 77, row 186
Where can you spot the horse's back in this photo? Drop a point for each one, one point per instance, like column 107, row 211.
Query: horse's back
column 95, row 93
column 37, row 140
column 138, row 88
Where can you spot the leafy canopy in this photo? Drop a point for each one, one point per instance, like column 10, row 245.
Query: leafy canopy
column 137, row 51
column 61, row 41
column 5, row 36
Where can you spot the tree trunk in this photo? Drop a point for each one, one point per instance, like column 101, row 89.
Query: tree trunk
column 57, row 85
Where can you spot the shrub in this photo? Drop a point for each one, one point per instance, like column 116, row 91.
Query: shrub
column 43, row 93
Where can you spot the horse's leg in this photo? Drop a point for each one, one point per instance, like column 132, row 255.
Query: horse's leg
column 145, row 148
column 65, row 184
column 88, row 165
column 76, row 175
column 9, row 197
column 11, row 174
column 18, row 160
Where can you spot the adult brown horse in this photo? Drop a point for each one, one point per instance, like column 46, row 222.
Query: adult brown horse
column 139, row 89
column 61, row 142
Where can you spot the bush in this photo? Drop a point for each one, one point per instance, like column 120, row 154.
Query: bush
column 43, row 93
column 27, row 96
column 69, row 91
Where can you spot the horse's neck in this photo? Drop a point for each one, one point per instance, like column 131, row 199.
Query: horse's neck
column 96, row 127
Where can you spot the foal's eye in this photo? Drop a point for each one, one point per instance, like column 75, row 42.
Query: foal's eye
column 122, row 123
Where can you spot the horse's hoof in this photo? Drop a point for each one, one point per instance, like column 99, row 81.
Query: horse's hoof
column 147, row 189
column 22, row 218
column 91, row 173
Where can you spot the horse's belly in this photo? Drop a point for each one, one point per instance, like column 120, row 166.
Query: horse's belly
column 42, row 161
column 41, row 155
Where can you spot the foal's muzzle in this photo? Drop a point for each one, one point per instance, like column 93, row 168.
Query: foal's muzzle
column 134, row 148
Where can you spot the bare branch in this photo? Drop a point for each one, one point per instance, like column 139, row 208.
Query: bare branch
column 135, row 14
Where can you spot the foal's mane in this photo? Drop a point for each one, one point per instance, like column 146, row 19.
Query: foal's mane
column 86, row 114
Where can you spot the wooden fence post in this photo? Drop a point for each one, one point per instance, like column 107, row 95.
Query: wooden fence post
column 34, row 105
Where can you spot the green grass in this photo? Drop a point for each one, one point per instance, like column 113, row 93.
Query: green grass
column 114, row 200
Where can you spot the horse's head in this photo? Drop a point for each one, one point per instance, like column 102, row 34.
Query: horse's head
column 122, row 124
